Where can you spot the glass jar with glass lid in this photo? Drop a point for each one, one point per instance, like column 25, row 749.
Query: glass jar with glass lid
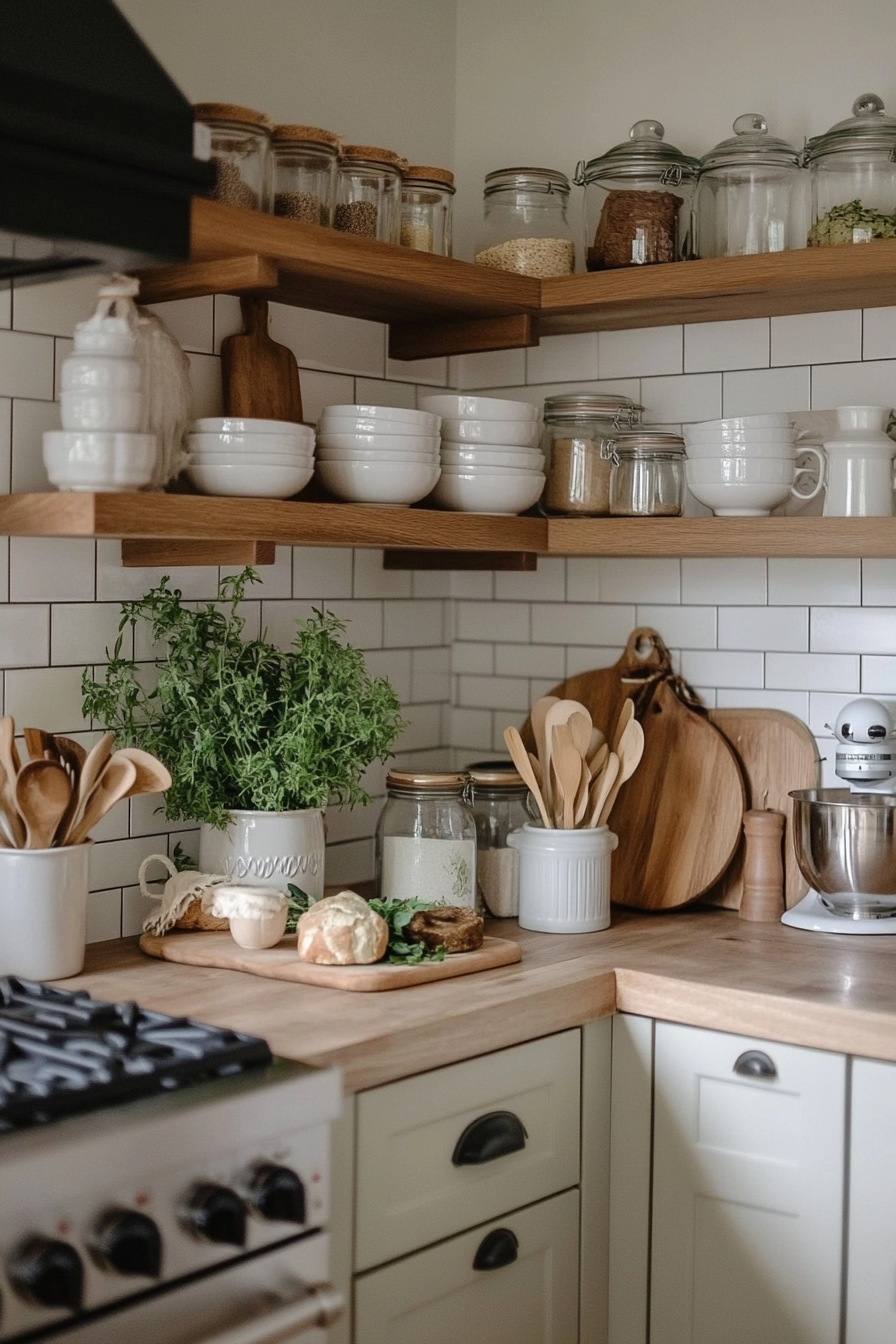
column 426, row 839
column 637, row 201
column 579, row 430
column 241, row 149
column 853, row 177
column 368, row 193
column 500, row 805
column 745, row 193
column 647, row 478
column 305, row 173
column 525, row 228
column 426, row 197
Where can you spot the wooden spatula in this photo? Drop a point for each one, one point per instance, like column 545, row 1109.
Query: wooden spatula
column 260, row 377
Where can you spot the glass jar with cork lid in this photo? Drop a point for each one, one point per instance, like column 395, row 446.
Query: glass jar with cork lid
column 578, row 436
column 241, row 150
column 525, row 228
column 306, row 160
column 426, row 198
column 368, row 193
column 426, row 839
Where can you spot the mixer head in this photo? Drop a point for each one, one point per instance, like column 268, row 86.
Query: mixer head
column 865, row 756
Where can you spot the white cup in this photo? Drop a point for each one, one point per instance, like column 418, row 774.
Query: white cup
column 564, row 878
column 43, row 911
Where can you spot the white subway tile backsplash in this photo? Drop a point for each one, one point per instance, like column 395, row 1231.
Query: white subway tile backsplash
column 275, row 579
column 572, row 357
column 640, row 579
column 879, row 333
column 475, row 658
column 345, row 864
column 5, row 308
column 713, row 668
column 531, row 660
column 785, row 629
column 329, row 341
column 471, row 372
column 395, row 665
column 827, row 582
column 547, row 584
column 494, row 693
column 363, row 622
column 4, row 569
column 321, row 571
column 82, row 632
column 878, row 583
column 764, row 391
column 580, row 659
column 413, row 624
column 431, row 583
column 380, row 392
column 424, row 730
column 45, row 697
column 103, row 915
column 815, row 671
column 114, row 583
column 823, row 710
column 29, row 421
column 580, row 624
column 324, row 389
column 878, row 675
column 723, row 582
column 681, row 627
column 48, row 569
column 5, row 445
column 430, row 674
column 54, row 307
column 681, row 400
column 472, row 583
column 740, row 344
column 791, row 702
column 869, row 384
column 582, row 579
column 507, row 621
column 372, row 580
column 471, row 729
column 858, row 629
column 205, row 378
column 640, row 353
column 352, row 823
column 430, row 372
column 115, row 863
column 24, row 636
column 190, row 321
column 817, row 338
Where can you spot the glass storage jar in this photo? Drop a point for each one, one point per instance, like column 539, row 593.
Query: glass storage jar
column 745, row 193
column 579, row 430
column 637, row 201
column 306, row 159
column 647, row 477
column 853, row 177
column 426, row 840
column 525, row 228
column 426, row 197
column 368, row 193
column 241, row 149
column 500, row 805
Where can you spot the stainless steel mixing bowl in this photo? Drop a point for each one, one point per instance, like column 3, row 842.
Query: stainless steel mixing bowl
column 845, row 845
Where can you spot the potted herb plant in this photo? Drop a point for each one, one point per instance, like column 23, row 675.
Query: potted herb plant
column 258, row 740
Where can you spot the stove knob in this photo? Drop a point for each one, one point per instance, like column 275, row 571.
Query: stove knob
column 127, row 1242
column 47, row 1273
column 278, row 1194
column 216, row 1213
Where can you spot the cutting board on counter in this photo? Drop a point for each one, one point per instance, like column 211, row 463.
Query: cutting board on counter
column 281, row 963
column 260, row 378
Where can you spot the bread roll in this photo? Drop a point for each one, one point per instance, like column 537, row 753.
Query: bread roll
column 454, row 927
column 342, row 930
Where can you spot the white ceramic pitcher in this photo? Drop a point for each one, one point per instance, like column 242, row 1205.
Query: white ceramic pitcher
column 859, row 470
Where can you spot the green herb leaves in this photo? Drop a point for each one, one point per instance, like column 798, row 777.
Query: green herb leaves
column 398, row 915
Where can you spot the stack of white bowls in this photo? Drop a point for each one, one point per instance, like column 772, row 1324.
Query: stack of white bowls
column 746, row 465
column 380, row 455
column 490, row 457
column 255, row 459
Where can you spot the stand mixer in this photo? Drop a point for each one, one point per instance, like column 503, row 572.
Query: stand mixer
column 845, row 839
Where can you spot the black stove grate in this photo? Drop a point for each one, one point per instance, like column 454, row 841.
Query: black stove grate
column 62, row 1051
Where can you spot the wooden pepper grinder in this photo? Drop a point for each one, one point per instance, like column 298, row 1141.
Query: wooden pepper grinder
column 763, row 897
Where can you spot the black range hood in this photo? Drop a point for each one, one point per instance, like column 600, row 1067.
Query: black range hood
column 96, row 145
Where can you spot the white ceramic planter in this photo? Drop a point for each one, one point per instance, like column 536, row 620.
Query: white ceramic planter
column 43, row 911
column 268, row 849
column 564, row 878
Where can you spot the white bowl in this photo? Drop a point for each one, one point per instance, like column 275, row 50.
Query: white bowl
column 478, row 408
column 385, row 443
column 249, row 482
column 301, row 459
column 465, row 492
column 746, row 470
column 347, row 424
column 228, row 424
column 80, row 459
column 514, row 433
column 378, row 482
column 715, row 448
column 777, row 420
column 736, row 500
column 370, row 455
column 484, row 457
column 399, row 415
column 505, row 473
column 110, row 408
column 782, row 435
column 250, row 443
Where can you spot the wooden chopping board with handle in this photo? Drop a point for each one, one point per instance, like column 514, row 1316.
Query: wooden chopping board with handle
column 260, row 378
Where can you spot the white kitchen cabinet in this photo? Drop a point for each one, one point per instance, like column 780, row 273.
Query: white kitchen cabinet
column 871, row 1251
column 748, row 1188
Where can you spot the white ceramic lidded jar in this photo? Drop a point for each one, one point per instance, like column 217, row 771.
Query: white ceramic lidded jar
column 859, row 470
column 743, row 204
column 853, row 177
column 101, row 379
column 426, row 840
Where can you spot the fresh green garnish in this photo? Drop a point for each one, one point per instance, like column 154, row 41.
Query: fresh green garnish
column 838, row 225
column 182, row 861
column 297, row 901
column 398, row 915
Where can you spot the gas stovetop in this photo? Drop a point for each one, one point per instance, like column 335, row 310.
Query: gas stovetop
column 62, row 1052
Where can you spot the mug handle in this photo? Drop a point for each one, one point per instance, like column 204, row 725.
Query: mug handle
column 819, row 484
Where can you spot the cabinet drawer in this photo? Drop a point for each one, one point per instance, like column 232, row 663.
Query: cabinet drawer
column 870, row 1296
column 410, row 1191
column 437, row 1296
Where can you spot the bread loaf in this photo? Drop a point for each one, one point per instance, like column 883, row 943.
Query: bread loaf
column 342, row 930
column 454, row 927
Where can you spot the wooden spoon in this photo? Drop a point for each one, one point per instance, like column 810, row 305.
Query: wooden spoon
column 601, row 787
column 114, row 783
column 631, row 749
column 43, row 792
column 580, row 727
column 92, row 768
column 599, row 759
column 520, row 758
column 595, row 744
column 71, row 756
column 537, row 716
column 12, row 832
column 560, row 712
column 152, row 777
column 10, row 765
column 581, row 803
column 626, row 714
column 568, row 767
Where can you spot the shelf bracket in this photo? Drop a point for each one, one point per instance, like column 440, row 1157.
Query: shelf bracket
column 194, row 279
column 138, row 553
column 517, row 561
column 423, row 340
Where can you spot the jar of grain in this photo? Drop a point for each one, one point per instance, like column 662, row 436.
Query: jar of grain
column 579, row 431
column 647, row 477
column 500, row 805
column 852, row 170
column 306, row 161
column 426, row 197
column 746, row 192
column 525, row 227
column 637, row 201
column 241, row 150
column 426, row 840
column 368, row 193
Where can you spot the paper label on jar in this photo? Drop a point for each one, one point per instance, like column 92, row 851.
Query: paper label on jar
column 442, row 872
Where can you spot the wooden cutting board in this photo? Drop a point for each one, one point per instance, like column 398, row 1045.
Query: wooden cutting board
column 778, row 753
column 281, row 962
column 260, row 378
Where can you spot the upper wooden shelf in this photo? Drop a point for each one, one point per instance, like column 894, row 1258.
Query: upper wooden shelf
column 437, row 306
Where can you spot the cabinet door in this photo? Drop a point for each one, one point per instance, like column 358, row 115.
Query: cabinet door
column 748, row 1190
column 437, row 1296
column 871, row 1280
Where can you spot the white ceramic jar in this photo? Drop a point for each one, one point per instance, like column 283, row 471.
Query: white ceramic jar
column 101, row 379
column 859, row 472
column 268, row 849
column 564, row 878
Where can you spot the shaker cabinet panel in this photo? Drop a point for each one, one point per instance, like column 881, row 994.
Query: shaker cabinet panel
column 871, row 1277
column 748, row 1190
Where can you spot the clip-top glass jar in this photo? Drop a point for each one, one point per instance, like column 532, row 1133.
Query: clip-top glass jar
column 241, row 149
column 853, row 177
column 426, row 840
column 368, row 193
column 744, row 198
column 426, row 195
column 500, row 805
column 637, row 201
column 305, row 173
column 525, row 228
column 647, row 478
column 579, row 430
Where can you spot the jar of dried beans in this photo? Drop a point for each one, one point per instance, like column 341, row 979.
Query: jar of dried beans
column 579, row 431
column 368, row 193
column 525, row 227
column 637, row 201
column 241, row 150
column 306, row 160
column 426, row 197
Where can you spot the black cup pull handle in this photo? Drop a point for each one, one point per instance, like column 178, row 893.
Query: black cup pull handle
column 489, row 1137
column 755, row 1064
column 496, row 1249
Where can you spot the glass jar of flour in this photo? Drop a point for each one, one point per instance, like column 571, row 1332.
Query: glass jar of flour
column 500, row 805
column 426, row 840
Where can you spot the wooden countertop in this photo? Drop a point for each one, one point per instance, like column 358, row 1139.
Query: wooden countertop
column 702, row 967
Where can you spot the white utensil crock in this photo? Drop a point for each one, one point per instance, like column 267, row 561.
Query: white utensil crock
column 564, row 878
column 268, row 849
column 859, row 472
column 43, row 911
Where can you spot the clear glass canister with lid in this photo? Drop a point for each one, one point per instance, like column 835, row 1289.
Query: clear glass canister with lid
column 853, row 177
column 647, row 478
column 579, row 431
column 525, row 228
column 241, row 149
column 637, row 201
column 426, row 839
column 500, row 805
column 745, row 195
column 368, row 193
column 426, row 199
column 306, row 160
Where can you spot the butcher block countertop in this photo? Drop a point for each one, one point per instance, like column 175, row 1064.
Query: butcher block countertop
column 706, row 968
